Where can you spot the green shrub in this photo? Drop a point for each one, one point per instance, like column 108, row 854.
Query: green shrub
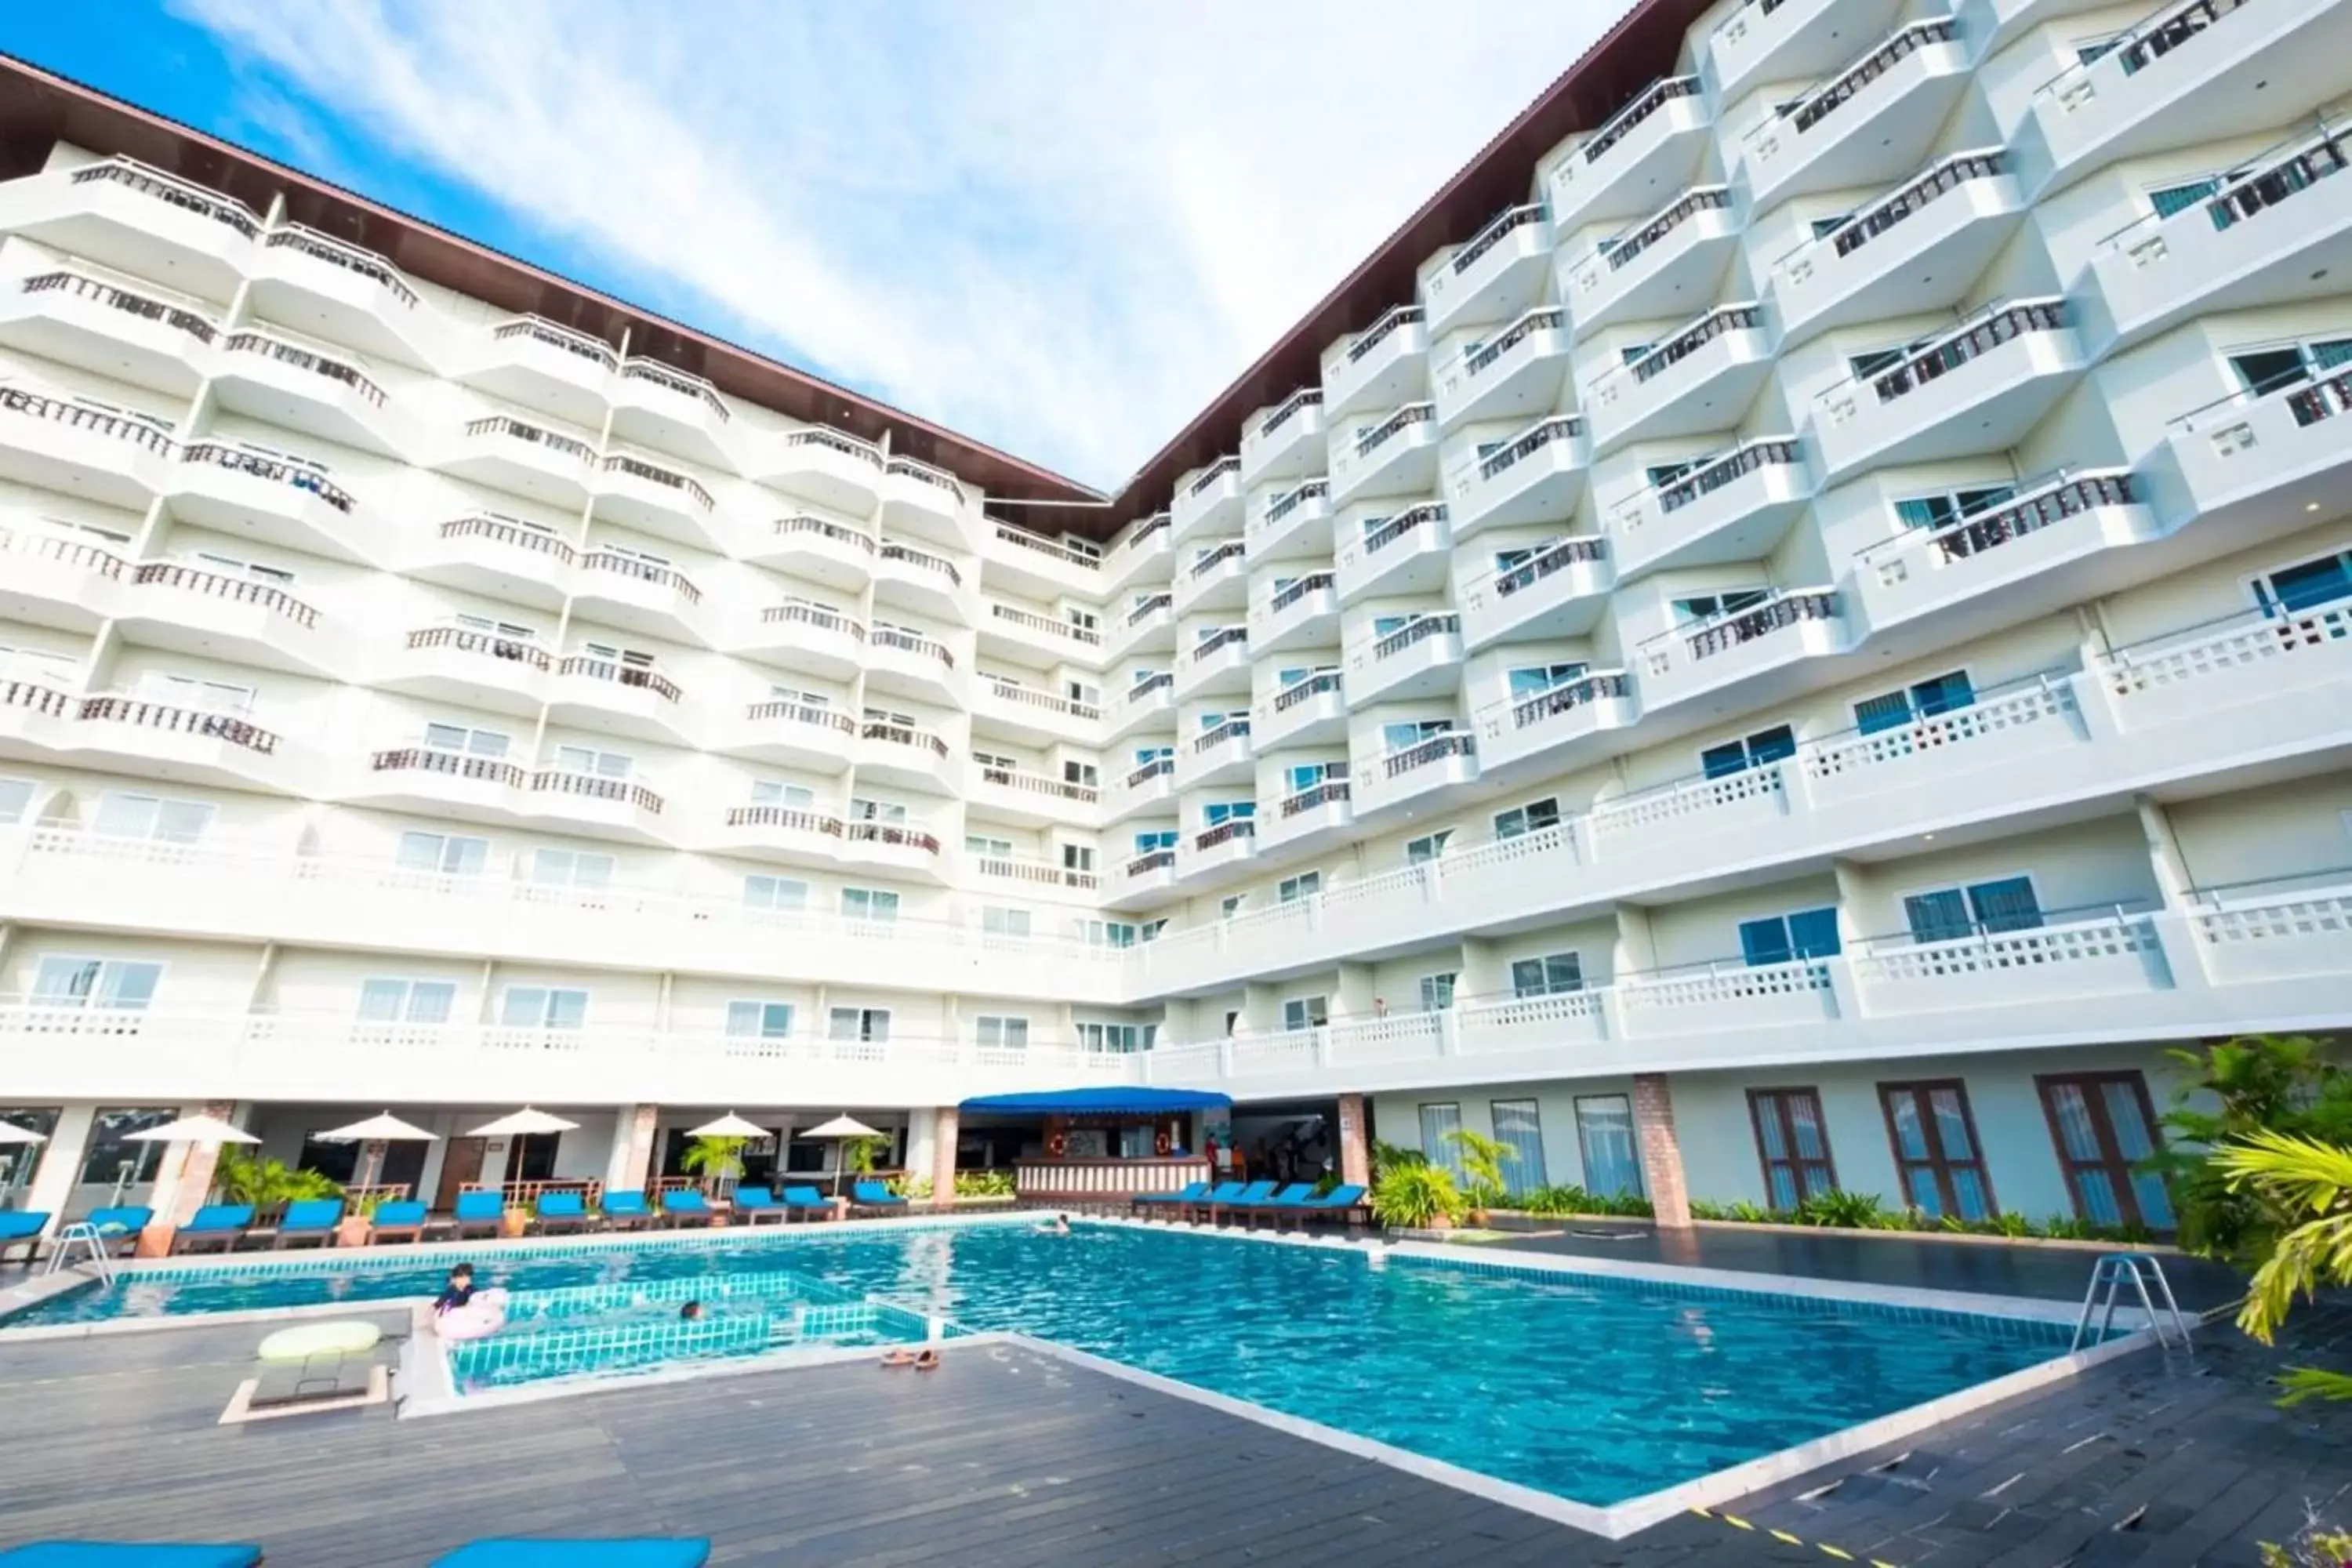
column 1707, row 1208
column 983, row 1183
column 1413, row 1197
column 1551, row 1202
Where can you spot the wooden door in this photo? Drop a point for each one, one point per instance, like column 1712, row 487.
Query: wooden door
column 461, row 1164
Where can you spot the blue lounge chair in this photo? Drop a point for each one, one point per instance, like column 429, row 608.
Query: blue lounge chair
column 686, row 1207
column 120, row 1226
column 221, row 1224
column 129, row 1554
column 806, row 1203
column 311, row 1220
column 402, row 1216
column 644, row 1552
column 1148, row 1203
column 1340, row 1201
column 563, row 1211
column 1198, row 1208
column 627, row 1211
column 22, row 1228
column 1248, row 1208
column 478, row 1213
column 752, row 1205
column 873, row 1197
column 1255, row 1192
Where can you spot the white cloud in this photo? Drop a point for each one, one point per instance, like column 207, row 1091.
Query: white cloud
column 1059, row 226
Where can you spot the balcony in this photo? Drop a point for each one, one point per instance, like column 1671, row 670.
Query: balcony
column 445, row 783
column 592, row 804
column 507, row 454
column 1029, row 876
column 640, row 597
column 284, row 501
column 1036, row 799
column 2204, row 678
column 1230, row 844
column 781, row 833
column 1417, row 771
column 1638, row 158
column 813, row 639
column 1392, row 455
column 1671, row 262
column 1872, row 125
column 2256, row 462
column 2264, row 240
column 791, row 734
column 1790, row 40
column 342, row 294
column 818, row 549
column 472, row 670
column 1391, row 557
column 1149, row 627
column 1221, row 755
column 1000, row 703
column 1727, row 996
column 1142, row 877
column 1735, row 506
column 2115, row 954
column 1037, row 566
column 1208, row 503
column 925, row 502
column 207, row 615
column 1293, row 522
column 1217, row 578
column 909, row 664
column 1525, row 728
column 1284, row 442
column 1012, row 632
column 143, row 339
column 127, row 733
column 1219, row 662
column 58, row 443
column 536, row 364
column 1322, row 814
column 139, row 220
column 1385, row 364
column 1302, row 613
column 265, row 377
column 671, row 412
column 1142, row 789
column 656, row 499
column 1493, row 276
column 837, row 472
column 1146, row 555
column 1149, row 702
column 1979, row 389
column 590, row 692
column 1537, row 475
column 908, row 578
column 1916, row 251
column 2039, row 553
column 1746, row 646
column 2015, row 729
column 1557, row 591
column 1703, row 378
column 1517, row 372
column 1421, row 658
column 1309, row 712
column 910, row 851
column 2193, row 72
column 49, row 578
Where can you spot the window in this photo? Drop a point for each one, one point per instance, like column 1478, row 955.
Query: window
column 1632, row 353
column 445, row 854
column 1436, row 1122
column 1792, row 1144
column 1779, row 938
column 1437, row 993
column 1410, row 732
column 122, row 816
column 20, row 1162
column 759, row 1020
column 1118, row 933
column 871, row 904
column 1553, row 974
column 112, row 1156
column 2103, row 1126
column 2308, row 584
column 1231, row 905
column 1003, row 1034
column 1764, row 747
column 1081, row 773
column 406, row 1001
column 205, row 695
column 1661, row 475
column 465, row 741
column 1077, row 857
column 763, row 892
column 1921, row 699
column 1305, row 1012
column 1937, row 1155
column 2170, row 199
column 2286, row 365
column 774, row 792
column 1604, row 1136
column 1147, row 755
column 868, row 1025
column 1120, row 1038
column 501, row 631
column 2098, row 49
column 1949, row 913
column 253, row 570
column 589, row 760
column 1218, row 811
column 1308, row 776
column 1148, row 843
column 980, row 844
column 15, row 799
column 67, row 981
column 1304, row 885
column 1389, row 626
column 1083, row 620
column 631, row 660
column 543, row 1007
column 1825, row 226
column 1520, row 556
column 1518, row 1127
column 1532, row 818
column 997, row 920
column 1707, row 606
column 570, row 869
column 1865, row 365
column 1945, row 507
column 1531, row 679
column 1432, row 846
column 800, row 696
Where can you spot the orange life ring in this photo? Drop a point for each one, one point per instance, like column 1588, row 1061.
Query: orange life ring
column 1159, row 1143
column 1054, row 1144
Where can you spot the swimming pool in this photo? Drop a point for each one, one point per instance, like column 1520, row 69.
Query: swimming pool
column 1589, row 1388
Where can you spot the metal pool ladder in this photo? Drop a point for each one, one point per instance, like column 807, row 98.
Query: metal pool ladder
column 93, row 1242
column 2114, row 1270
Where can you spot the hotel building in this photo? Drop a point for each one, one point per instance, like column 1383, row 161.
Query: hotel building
column 1793, row 629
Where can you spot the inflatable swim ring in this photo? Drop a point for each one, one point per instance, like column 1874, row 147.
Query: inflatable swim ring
column 485, row 1314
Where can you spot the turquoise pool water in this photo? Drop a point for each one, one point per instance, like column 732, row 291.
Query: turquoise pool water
column 1590, row 1389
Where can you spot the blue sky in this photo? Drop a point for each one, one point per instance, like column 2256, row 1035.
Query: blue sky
column 1059, row 226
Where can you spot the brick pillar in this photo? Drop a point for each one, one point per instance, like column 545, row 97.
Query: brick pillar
column 632, row 1157
column 944, row 1131
column 1355, row 1153
column 1661, row 1151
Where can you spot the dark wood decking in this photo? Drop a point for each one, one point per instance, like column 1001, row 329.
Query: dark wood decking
column 1004, row 1456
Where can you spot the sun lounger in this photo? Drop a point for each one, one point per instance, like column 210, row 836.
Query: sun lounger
column 627, row 1211
column 1342, row 1202
column 873, row 1197
column 400, row 1217
column 215, row 1224
column 682, row 1208
column 752, row 1205
column 563, row 1211
column 22, row 1228
column 644, row 1552
column 1148, row 1203
column 478, row 1213
column 806, row 1203
column 120, row 1226
column 1198, row 1208
column 310, row 1220
column 129, row 1554
column 1246, row 1208
column 1213, row 1208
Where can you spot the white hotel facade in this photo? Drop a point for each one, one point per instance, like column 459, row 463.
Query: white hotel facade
column 1805, row 604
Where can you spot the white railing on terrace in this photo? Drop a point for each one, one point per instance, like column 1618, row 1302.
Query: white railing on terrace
column 1208, row 740
column 1728, row 980
column 1898, row 46
column 1388, row 529
column 1223, row 638
column 1569, row 695
column 1149, row 605
column 643, row 572
column 923, row 473
column 594, row 667
column 1031, row 697
column 334, row 252
column 1039, row 545
column 783, row 527
column 1542, row 433
column 1623, row 252
column 911, row 642
column 1405, row 419
column 179, row 317
column 152, row 182
column 1150, row 528
column 1298, row 691
column 1645, row 103
column 1282, row 414
column 1039, row 873
column 1902, row 203
column 514, row 429
column 1313, row 583
column 1371, row 337
column 1223, row 468
column 1422, row 754
column 1330, row 792
column 1715, row 323
column 1420, row 629
column 1985, row 331
column 2149, row 39
column 2277, row 176
column 1039, row 784
column 653, row 473
column 1160, row 681
column 1772, row 451
column 1509, row 221
column 2252, row 639
column 18, row 540
column 655, row 373
column 1226, row 832
column 921, row 560
column 1542, row 319
column 1282, row 505
column 1046, row 625
column 835, row 441
column 114, row 707
column 1208, row 561
column 596, row 786
column 815, row 616
column 306, row 477
column 802, row 713
column 1556, row 556
column 1684, row 798
column 272, row 347
column 905, row 735
column 538, row 330
column 238, row 590
column 73, row 414
column 2047, row 697
column 2059, row 937
column 2043, row 504
column 1157, row 767
column 1787, row 608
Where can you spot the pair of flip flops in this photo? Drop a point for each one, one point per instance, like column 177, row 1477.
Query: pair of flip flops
column 922, row 1360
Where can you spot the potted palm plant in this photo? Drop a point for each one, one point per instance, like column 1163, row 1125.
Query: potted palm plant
column 1416, row 1198
column 714, row 1159
column 1482, row 1161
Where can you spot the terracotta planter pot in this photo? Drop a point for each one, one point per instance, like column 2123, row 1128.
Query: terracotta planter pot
column 516, row 1222
column 352, row 1232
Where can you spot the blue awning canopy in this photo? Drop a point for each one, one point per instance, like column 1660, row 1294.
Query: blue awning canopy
column 1108, row 1101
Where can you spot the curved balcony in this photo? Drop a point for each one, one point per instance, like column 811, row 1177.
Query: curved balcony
column 1537, row 476
column 541, row 365
column 1672, row 261
column 2261, row 461
column 1979, row 389
column 1012, row 632
column 1735, row 507
column 445, row 783
column 817, row 550
column 791, row 734
column 283, row 500
column 209, row 615
column 1208, row 501
column 1312, row 712
column 1141, row 789
column 1559, row 591
column 922, row 581
column 1413, row 774
column 925, row 502
column 1310, row 817
column 1216, row 578
column 783, row 834
column 1146, row 555
column 1003, row 705
column 1223, row 755
column 117, row 732
column 1218, row 662
column 1914, row 251
column 1148, row 626
column 640, row 597
column 598, row 694
column 593, row 804
column 1703, row 378
column 525, row 459
column 1389, row 557
column 1038, row 800
column 1532, row 728
column 671, row 412
column 814, row 638
column 265, row 377
column 1301, row 613
column 907, row 850
column 1032, row 564
column 1792, row 40
column 343, row 294
column 905, row 756
column 58, row 443
column 655, row 498
column 1149, row 703
column 1284, row 442
column 1142, row 877
column 1493, row 275
column 1517, row 372
column 910, row 664
column 51, row 579
column 1291, row 521
column 2040, row 551
column 1869, row 125
column 1742, row 649
column 471, row 668
column 1220, row 848
column 145, row 339
column 835, row 470
column 1421, row 658
column 1632, row 161
column 1394, row 455
column 139, row 220
column 1385, row 364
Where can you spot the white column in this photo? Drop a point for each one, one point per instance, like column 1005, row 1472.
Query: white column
column 60, row 1163
column 922, row 1138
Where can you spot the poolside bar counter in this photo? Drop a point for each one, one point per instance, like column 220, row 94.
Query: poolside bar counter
column 1109, row 1144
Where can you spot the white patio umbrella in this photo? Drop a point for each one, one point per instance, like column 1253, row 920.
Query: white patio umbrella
column 12, row 1134
column 730, row 1126
column 523, row 1123
column 205, row 1131
column 842, row 1129
column 385, row 1129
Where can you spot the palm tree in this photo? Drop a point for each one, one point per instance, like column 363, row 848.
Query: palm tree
column 2304, row 1178
column 1482, row 1162
column 714, row 1159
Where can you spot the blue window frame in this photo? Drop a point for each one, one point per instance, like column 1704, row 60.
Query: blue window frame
column 1221, row 811
column 1412, row 732
column 1946, row 508
column 1780, row 938
column 1145, row 843
column 2308, row 584
column 1922, row 700
column 1146, row 756
column 1531, row 679
column 1384, row 625
column 1947, row 914
column 1755, row 751
column 1307, row 775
